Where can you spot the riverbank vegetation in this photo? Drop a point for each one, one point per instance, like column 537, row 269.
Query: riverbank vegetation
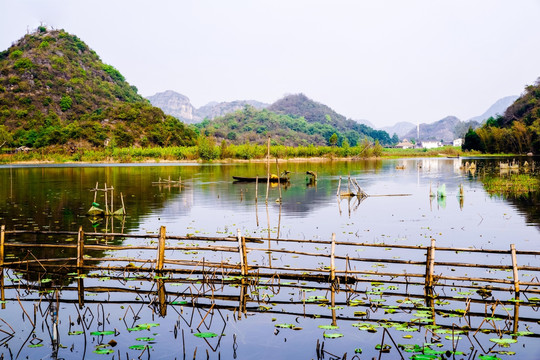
column 207, row 149
column 518, row 131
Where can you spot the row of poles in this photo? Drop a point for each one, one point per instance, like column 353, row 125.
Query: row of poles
column 430, row 277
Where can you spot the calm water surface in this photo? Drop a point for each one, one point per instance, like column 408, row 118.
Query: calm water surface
column 57, row 198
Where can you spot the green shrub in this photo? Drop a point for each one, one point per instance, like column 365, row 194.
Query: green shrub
column 66, row 102
column 23, row 64
column 15, row 54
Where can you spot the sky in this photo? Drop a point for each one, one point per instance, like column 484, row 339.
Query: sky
column 381, row 60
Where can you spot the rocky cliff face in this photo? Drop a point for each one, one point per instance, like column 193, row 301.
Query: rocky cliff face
column 175, row 104
column 179, row 106
column 215, row 109
column 439, row 130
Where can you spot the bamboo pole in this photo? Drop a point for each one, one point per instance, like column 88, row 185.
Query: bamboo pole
column 80, row 248
column 279, row 178
column 95, row 191
column 349, row 184
column 2, row 239
column 430, row 262
column 256, row 188
column 267, row 169
column 161, row 249
column 515, row 268
column 339, row 186
column 123, row 207
column 106, row 201
column 332, row 259
column 241, row 250
column 112, row 199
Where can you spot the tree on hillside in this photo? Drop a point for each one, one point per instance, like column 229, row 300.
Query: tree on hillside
column 473, row 141
column 333, row 139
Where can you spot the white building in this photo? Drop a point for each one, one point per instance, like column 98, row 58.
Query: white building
column 430, row 144
column 457, row 142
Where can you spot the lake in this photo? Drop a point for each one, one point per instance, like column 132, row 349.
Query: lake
column 281, row 318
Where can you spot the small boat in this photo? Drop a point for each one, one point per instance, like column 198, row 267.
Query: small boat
column 273, row 179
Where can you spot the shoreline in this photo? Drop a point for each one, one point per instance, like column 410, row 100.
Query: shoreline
column 257, row 160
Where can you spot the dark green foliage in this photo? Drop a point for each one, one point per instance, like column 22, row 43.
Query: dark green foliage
column 518, row 131
column 300, row 106
column 333, row 139
column 65, row 103
column 472, row 141
column 23, row 64
column 115, row 74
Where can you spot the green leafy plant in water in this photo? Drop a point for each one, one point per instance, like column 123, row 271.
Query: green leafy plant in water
column 206, row 335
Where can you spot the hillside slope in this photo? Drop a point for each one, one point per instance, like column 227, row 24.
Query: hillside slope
column 55, row 90
column 518, row 131
column 300, row 106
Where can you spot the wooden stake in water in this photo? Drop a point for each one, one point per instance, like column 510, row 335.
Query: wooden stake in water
column 332, row 259
column 430, row 262
column 267, row 169
column 256, row 188
column 80, row 248
column 241, row 250
column 339, row 186
column 279, row 179
column 95, row 191
column 112, row 199
column 2, row 239
column 106, row 201
column 161, row 249
column 514, row 268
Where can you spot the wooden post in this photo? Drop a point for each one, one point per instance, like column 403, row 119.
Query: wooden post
column 106, row 201
column 95, row 191
column 123, row 207
column 2, row 239
column 161, row 249
column 256, row 188
column 80, row 248
column 267, row 169
column 514, row 267
column 279, row 178
column 112, row 200
column 349, row 185
column 339, row 186
column 332, row 259
column 242, row 252
column 430, row 263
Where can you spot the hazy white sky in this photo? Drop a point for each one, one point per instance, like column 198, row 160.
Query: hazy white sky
column 381, row 60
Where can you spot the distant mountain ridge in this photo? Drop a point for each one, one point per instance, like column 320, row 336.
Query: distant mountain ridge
column 498, row 108
column 178, row 105
column 439, row 130
column 400, row 129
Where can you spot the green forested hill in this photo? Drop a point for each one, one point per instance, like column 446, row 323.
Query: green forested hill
column 518, row 131
column 293, row 120
column 55, row 90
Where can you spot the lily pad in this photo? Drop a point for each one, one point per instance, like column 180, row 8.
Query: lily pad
column 206, row 335
column 328, row 327
column 98, row 333
column 332, row 335
column 145, row 339
column 503, row 341
column 140, row 347
column 103, row 351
